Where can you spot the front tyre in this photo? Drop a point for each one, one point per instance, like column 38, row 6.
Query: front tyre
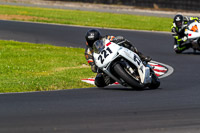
column 122, row 73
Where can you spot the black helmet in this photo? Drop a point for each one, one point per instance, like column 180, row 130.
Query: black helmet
column 178, row 20
column 91, row 36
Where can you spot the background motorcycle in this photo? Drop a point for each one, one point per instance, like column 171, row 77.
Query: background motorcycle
column 123, row 65
column 193, row 35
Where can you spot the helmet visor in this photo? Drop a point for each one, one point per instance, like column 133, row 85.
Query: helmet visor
column 179, row 24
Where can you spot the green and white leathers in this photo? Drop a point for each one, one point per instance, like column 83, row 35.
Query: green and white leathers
column 180, row 23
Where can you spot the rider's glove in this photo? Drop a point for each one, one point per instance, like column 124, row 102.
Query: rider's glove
column 118, row 39
column 184, row 38
column 173, row 30
column 94, row 68
column 186, row 19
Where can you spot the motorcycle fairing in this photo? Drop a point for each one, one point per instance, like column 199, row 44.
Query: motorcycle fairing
column 113, row 51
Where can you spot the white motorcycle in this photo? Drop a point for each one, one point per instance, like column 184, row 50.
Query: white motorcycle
column 123, row 65
column 193, row 35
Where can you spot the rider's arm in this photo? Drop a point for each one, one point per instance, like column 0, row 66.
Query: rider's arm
column 186, row 19
column 90, row 60
column 121, row 41
column 193, row 18
column 125, row 43
column 117, row 39
column 174, row 32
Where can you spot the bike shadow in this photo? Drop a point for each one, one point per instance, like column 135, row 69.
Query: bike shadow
column 191, row 53
column 122, row 88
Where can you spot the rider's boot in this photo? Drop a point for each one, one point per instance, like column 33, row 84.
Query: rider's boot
column 144, row 58
column 176, row 49
column 179, row 48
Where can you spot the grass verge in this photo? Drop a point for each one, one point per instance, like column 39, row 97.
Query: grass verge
column 85, row 18
column 35, row 67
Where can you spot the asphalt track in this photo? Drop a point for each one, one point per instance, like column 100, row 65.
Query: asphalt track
column 173, row 108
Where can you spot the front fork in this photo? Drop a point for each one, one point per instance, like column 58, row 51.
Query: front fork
column 128, row 67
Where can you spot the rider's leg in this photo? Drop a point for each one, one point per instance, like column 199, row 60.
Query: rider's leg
column 180, row 46
column 142, row 56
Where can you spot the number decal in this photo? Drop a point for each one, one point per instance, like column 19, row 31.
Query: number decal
column 109, row 50
column 136, row 59
column 101, row 59
column 104, row 54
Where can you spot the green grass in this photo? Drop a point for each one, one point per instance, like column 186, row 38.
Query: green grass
column 85, row 18
column 39, row 67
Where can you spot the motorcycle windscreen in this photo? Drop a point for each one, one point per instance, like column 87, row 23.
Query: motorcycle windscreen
column 98, row 46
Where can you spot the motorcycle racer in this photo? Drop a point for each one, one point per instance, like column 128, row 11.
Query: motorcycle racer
column 93, row 35
column 178, row 32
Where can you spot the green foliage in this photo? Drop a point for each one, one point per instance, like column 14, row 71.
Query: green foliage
column 39, row 67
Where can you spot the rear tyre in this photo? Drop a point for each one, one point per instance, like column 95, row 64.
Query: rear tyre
column 120, row 71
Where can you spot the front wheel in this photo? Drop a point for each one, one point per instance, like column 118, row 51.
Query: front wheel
column 124, row 75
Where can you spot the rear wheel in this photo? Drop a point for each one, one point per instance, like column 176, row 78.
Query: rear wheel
column 120, row 70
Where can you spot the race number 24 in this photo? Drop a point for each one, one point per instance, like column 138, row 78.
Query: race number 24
column 104, row 54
